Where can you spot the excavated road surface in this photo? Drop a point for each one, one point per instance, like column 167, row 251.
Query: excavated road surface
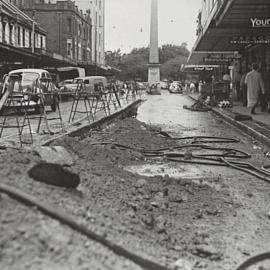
column 178, row 215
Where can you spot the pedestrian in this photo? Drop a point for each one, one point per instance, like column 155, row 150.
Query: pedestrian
column 243, row 89
column 255, row 86
column 192, row 87
column 226, row 77
column 267, row 86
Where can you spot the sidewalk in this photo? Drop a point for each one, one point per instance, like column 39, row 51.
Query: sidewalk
column 81, row 123
column 258, row 127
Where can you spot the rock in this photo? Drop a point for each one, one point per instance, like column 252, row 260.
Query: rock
column 177, row 248
column 134, row 206
column 201, row 265
column 54, row 174
column 174, row 197
column 140, row 183
column 154, row 188
column 155, row 204
column 268, row 215
column 160, row 224
column 131, row 213
column 208, row 251
column 56, row 155
column 182, row 264
column 165, row 192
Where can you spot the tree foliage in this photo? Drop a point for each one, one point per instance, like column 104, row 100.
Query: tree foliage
column 135, row 64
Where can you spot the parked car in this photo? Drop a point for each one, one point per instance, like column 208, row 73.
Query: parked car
column 164, row 85
column 88, row 84
column 27, row 85
column 175, row 87
column 140, row 86
column 65, row 88
column 65, row 83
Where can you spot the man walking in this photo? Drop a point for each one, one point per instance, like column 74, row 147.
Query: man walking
column 255, row 85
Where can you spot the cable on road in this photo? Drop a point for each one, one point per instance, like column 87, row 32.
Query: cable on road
column 205, row 139
column 221, row 157
column 197, row 107
column 72, row 222
column 254, row 260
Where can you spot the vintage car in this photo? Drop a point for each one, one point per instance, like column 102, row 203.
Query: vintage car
column 29, row 87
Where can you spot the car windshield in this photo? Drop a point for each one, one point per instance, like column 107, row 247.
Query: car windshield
column 77, row 80
column 28, row 78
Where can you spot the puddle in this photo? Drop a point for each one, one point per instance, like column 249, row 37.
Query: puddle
column 166, row 169
column 197, row 175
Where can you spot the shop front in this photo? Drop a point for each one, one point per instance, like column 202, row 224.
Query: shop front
column 237, row 35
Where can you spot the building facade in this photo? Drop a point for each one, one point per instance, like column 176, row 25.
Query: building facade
column 69, row 29
column 22, row 40
column 97, row 8
column 233, row 33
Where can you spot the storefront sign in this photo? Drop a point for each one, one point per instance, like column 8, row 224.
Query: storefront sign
column 203, row 68
column 260, row 23
column 250, row 40
column 221, row 58
column 218, row 60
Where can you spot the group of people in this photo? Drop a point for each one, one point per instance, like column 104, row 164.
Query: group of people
column 255, row 89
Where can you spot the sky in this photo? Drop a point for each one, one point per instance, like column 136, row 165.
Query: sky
column 127, row 22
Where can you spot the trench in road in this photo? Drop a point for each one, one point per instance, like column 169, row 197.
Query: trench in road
column 166, row 112
column 240, row 228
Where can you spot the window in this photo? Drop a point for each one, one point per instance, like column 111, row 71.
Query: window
column 19, row 36
column 23, row 37
column 4, row 32
column 80, row 30
column 69, row 48
column 69, row 24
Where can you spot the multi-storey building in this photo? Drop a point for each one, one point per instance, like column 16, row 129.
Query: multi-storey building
column 97, row 14
column 22, row 40
column 69, row 29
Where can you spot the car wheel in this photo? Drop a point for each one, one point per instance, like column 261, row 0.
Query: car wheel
column 37, row 109
column 54, row 106
column 55, row 103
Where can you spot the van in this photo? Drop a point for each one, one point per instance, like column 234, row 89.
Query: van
column 88, row 83
column 30, row 81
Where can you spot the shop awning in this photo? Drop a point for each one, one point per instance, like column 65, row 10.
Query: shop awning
column 236, row 25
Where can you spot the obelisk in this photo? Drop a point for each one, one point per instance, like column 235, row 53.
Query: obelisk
column 153, row 66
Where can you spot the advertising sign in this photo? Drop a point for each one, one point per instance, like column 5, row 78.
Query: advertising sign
column 260, row 23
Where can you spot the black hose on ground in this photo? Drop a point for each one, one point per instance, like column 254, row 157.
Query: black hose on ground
column 72, row 222
column 209, row 159
column 245, row 170
column 205, row 139
column 254, row 260
column 197, row 107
